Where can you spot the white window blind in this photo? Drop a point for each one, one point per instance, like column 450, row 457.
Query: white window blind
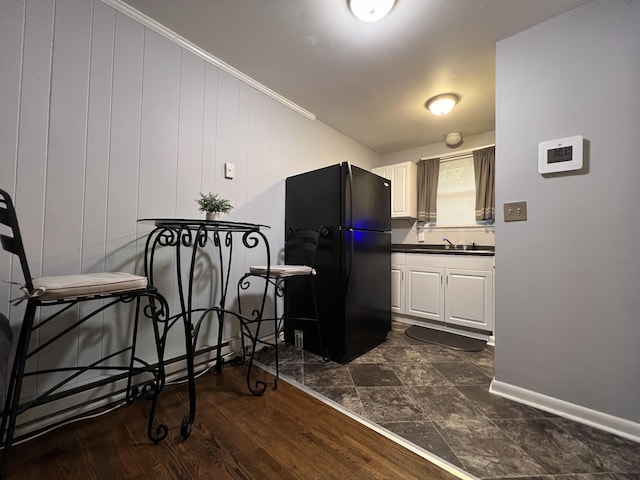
column 456, row 192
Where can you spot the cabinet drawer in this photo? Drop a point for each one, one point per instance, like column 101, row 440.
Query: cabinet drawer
column 468, row 262
column 398, row 258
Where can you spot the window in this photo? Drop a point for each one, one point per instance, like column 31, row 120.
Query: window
column 456, row 202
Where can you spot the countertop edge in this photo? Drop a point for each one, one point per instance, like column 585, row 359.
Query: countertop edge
column 478, row 250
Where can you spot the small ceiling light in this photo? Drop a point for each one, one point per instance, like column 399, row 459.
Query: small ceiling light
column 370, row 10
column 442, row 104
column 453, row 139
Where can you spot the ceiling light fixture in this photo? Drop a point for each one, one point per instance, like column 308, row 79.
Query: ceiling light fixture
column 370, row 10
column 442, row 104
column 453, row 139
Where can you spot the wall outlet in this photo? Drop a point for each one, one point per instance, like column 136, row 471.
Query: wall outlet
column 515, row 211
column 298, row 338
column 229, row 170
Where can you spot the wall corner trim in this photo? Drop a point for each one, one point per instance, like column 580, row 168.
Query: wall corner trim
column 157, row 27
column 604, row 421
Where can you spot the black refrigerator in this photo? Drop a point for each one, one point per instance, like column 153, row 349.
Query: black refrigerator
column 351, row 208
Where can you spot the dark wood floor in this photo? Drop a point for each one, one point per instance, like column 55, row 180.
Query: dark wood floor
column 285, row 434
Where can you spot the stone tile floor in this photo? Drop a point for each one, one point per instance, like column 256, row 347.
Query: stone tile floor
column 438, row 399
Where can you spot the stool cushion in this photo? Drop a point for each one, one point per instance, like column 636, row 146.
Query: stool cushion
column 282, row 270
column 85, row 285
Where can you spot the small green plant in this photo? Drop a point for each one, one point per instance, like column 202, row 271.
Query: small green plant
column 211, row 203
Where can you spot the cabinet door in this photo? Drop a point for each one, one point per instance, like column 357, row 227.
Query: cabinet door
column 383, row 172
column 404, row 198
column 399, row 193
column 397, row 289
column 469, row 298
column 425, row 292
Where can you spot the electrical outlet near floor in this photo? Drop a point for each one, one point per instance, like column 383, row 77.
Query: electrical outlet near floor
column 515, row 211
column 298, row 338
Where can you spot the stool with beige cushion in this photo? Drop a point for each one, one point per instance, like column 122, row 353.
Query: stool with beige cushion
column 300, row 252
column 116, row 377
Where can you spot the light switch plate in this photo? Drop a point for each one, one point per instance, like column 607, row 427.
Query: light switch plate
column 229, row 170
column 515, row 211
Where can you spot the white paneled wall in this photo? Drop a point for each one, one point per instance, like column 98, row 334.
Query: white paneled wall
column 104, row 121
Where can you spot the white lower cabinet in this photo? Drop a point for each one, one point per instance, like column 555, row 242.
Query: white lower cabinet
column 452, row 289
column 397, row 282
column 425, row 292
column 469, row 298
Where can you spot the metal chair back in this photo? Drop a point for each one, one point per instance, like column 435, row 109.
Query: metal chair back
column 301, row 247
column 12, row 242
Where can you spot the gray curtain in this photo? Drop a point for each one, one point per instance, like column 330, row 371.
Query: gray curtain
column 427, row 189
column 484, row 162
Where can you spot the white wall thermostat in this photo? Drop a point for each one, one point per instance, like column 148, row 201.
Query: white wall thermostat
column 560, row 155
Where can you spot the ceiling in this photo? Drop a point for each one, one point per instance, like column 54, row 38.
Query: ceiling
column 367, row 80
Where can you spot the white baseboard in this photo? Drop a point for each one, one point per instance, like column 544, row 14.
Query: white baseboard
column 616, row 425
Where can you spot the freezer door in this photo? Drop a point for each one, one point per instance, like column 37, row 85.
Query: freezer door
column 367, row 204
column 313, row 199
column 367, row 292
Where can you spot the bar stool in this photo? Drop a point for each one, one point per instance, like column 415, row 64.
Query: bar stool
column 300, row 253
column 53, row 298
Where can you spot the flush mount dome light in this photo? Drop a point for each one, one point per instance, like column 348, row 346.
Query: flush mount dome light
column 442, row 104
column 453, row 139
column 370, row 10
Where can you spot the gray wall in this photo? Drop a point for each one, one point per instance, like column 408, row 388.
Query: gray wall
column 104, row 121
column 567, row 299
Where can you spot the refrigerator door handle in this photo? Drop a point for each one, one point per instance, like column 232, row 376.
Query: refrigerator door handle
column 349, row 223
column 350, row 261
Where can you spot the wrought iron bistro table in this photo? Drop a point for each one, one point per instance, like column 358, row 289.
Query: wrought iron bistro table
column 187, row 237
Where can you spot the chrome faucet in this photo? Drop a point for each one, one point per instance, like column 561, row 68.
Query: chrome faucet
column 449, row 242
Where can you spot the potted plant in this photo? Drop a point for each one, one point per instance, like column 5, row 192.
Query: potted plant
column 213, row 205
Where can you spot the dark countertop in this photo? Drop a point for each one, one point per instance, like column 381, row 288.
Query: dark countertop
column 481, row 250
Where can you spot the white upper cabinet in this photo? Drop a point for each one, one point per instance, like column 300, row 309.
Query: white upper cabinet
column 404, row 196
